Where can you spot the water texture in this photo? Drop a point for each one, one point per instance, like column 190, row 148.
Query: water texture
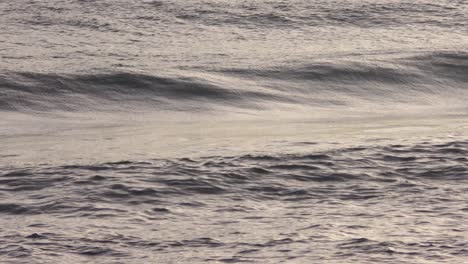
column 216, row 131
column 403, row 203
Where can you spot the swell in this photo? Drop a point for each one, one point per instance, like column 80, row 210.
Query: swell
column 323, row 83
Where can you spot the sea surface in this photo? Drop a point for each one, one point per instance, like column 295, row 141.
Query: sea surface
column 216, row 131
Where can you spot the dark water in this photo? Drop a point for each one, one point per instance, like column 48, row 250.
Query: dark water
column 233, row 131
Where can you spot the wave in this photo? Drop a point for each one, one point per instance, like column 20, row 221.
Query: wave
column 328, row 72
column 43, row 92
column 448, row 65
column 320, row 83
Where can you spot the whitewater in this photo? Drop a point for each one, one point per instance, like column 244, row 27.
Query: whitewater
column 216, row 131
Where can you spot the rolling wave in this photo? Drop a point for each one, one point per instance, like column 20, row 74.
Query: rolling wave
column 321, row 83
column 43, row 92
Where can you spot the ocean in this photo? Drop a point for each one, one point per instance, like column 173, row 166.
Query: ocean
column 216, row 131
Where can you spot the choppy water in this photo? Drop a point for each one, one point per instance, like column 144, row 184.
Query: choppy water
column 233, row 131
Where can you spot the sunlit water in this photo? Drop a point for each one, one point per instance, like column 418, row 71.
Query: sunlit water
column 233, row 131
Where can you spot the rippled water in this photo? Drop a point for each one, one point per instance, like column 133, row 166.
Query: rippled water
column 233, row 131
column 396, row 203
